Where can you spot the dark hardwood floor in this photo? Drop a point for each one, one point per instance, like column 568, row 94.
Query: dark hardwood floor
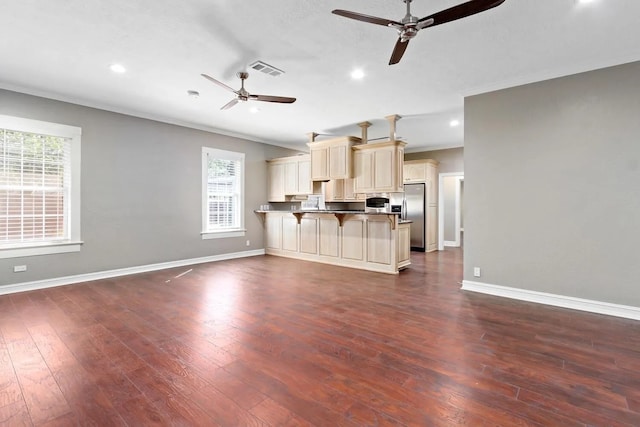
column 278, row 342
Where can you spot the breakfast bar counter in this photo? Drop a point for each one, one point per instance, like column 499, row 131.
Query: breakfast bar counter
column 375, row 241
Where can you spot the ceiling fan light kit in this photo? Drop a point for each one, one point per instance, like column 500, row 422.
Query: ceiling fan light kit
column 409, row 26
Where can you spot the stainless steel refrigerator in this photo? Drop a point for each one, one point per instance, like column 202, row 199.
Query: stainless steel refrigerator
column 415, row 210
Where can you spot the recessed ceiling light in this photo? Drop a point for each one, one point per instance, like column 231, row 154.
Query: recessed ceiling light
column 117, row 68
column 357, row 74
column 453, row 123
column 254, row 110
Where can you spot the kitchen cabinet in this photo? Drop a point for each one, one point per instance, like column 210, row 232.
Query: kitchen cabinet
column 329, row 233
column 375, row 242
column 275, row 182
column 289, row 234
column 342, row 190
column 432, row 229
column 379, row 167
column 426, row 171
column 273, row 227
column 332, row 158
column 288, row 176
column 404, row 244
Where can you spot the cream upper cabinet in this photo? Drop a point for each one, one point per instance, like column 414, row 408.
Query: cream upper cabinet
column 342, row 190
column 275, row 184
column 379, row 167
column 420, row 170
column 289, row 176
column 415, row 172
column 304, row 176
column 332, row 158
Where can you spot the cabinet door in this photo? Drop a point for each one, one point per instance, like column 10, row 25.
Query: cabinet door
column 309, row 235
column 350, row 189
column 338, row 189
column 290, row 233
column 338, row 162
column 363, row 162
column 415, row 172
column 432, row 185
column 353, row 239
column 304, row 177
column 291, row 178
column 404, row 243
column 275, row 186
column 274, row 231
column 384, row 169
column 328, row 230
column 378, row 233
column 320, row 164
column 432, row 228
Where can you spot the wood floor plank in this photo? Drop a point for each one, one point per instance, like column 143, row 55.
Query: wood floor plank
column 15, row 414
column 44, row 399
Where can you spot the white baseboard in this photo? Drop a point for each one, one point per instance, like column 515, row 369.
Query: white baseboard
column 591, row 306
column 69, row 280
column 451, row 243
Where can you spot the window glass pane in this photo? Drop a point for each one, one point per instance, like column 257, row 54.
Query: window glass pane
column 223, row 188
column 34, row 187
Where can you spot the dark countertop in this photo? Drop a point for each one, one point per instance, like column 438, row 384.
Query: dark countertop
column 331, row 211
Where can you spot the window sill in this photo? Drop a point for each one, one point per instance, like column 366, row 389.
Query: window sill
column 240, row 232
column 16, row 251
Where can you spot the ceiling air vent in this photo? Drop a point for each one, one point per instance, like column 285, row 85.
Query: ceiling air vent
column 263, row 67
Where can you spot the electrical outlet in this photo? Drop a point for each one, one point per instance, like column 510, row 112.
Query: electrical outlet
column 19, row 268
column 248, row 242
column 476, row 271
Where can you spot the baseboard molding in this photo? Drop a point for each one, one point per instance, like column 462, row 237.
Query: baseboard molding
column 451, row 243
column 69, row 280
column 581, row 304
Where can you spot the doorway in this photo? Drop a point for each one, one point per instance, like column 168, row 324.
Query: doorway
column 450, row 200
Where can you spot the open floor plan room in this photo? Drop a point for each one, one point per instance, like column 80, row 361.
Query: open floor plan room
column 273, row 341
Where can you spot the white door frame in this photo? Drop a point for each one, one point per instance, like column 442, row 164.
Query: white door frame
column 458, row 213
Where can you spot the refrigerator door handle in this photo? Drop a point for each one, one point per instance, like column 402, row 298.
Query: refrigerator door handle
column 404, row 207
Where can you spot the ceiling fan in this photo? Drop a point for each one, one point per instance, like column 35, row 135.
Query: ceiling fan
column 409, row 26
column 243, row 95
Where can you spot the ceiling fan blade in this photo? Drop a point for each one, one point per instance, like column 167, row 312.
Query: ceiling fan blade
column 461, row 11
column 268, row 98
column 398, row 51
column 366, row 18
column 211, row 79
column 230, row 104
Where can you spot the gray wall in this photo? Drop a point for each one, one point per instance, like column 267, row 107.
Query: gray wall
column 141, row 191
column 552, row 177
column 451, row 159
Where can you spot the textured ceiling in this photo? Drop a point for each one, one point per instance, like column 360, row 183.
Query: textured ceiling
column 63, row 48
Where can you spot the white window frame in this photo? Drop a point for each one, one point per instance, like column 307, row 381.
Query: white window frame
column 240, row 231
column 74, row 243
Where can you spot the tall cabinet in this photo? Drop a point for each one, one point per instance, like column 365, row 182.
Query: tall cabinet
column 418, row 171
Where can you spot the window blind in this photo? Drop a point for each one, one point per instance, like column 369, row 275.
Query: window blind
column 223, row 193
column 35, row 177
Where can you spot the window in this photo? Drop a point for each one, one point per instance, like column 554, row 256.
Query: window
column 223, row 193
column 39, row 187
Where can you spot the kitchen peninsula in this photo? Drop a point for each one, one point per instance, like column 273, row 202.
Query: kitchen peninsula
column 351, row 238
